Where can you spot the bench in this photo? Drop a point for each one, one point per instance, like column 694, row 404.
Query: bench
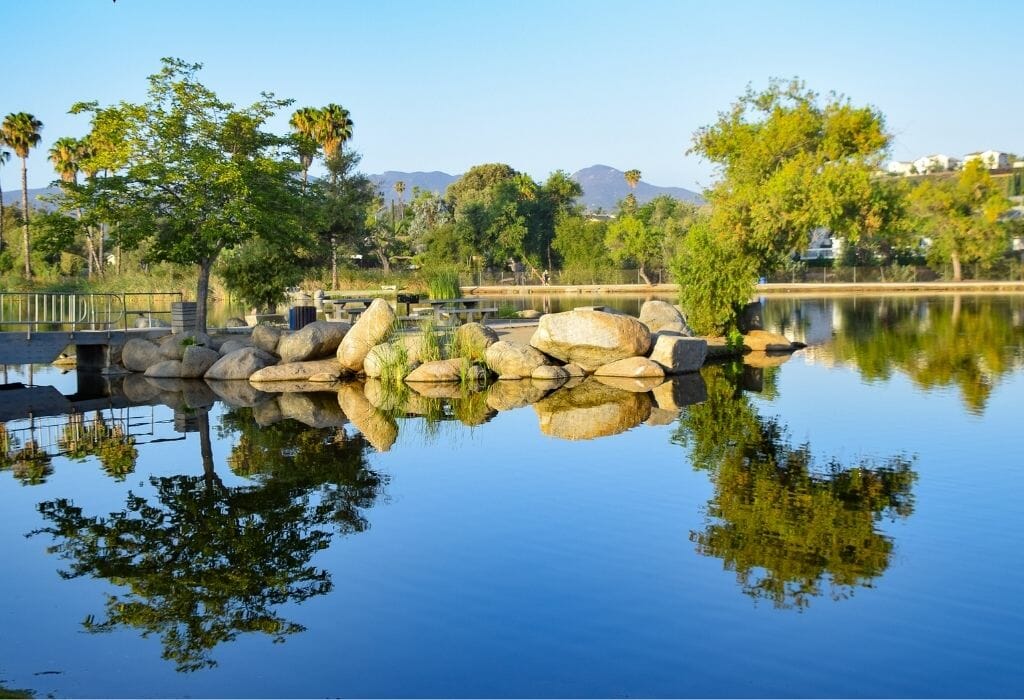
column 461, row 314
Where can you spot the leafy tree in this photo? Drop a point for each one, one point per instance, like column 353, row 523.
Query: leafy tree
column 961, row 217
column 581, row 245
column 20, row 131
column 628, row 238
column 338, row 205
column 786, row 524
column 305, row 124
column 790, row 164
column 5, row 157
column 200, row 175
column 258, row 272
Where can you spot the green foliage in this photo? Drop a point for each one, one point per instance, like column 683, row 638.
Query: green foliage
column 443, row 283
column 507, row 310
column 715, row 280
column 790, row 164
column 258, row 272
column 581, row 245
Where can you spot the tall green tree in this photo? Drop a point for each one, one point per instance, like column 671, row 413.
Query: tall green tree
column 200, row 175
column 791, row 162
column 305, row 123
column 20, row 131
column 961, row 217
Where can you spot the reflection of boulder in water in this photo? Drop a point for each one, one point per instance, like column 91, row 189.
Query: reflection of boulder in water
column 472, row 409
column 679, row 391
column 752, row 379
column 319, row 410
column 661, row 416
column 384, row 397
column 138, row 389
column 636, row 385
column 297, row 386
column 378, row 428
column 591, row 410
column 509, row 394
column 762, row 359
column 438, row 390
column 184, row 393
column 238, row 393
column 267, row 413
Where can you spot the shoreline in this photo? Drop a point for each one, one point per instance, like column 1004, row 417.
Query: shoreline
column 774, row 288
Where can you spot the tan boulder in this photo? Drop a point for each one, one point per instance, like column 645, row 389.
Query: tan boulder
column 196, row 361
column 630, row 367
column 315, row 341
column 761, row 359
column 266, row 337
column 390, row 357
column 677, row 355
column 373, row 327
column 473, row 339
column 296, row 371
column 591, row 338
column 550, row 372
column 240, row 364
column 767, row 341
column 511, row 360
column 139, row 354
column 659, row 416
column 636, row 385
column 438, row 371
column 591, row 410
column 661, row 316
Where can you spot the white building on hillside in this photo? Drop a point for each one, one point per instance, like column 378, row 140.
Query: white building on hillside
column 936, row 163
column 991, row 159
column 900, row 167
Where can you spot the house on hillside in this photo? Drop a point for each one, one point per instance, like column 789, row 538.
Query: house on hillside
column 901, row 167
column 823, row 246
column 992, row 160
column 936, row 163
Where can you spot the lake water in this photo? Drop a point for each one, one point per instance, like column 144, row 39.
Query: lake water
column 844, row 523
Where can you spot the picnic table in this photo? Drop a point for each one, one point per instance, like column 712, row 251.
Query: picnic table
column 459, row 311
column 347, row 308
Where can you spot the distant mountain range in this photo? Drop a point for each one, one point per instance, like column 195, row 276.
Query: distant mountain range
column 603, row 187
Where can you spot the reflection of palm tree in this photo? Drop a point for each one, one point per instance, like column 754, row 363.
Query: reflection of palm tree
column 785, row 525
column 21, row 132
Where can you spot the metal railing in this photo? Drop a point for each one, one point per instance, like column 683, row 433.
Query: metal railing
column 63, row 311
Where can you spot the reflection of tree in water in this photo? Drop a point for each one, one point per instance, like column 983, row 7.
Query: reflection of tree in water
column 202, row 562
column 963, row 341
column 29, row 463
column 116, row 450
column 788, row 527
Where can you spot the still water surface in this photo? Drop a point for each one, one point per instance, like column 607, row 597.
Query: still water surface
column 846, row 523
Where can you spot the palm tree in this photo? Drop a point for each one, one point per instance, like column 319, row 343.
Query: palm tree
column 5, row 157
column 305, row 122
column 64, row 155
column 334, row 129
column 632, row 178
column 20, row 131
column 400, row 190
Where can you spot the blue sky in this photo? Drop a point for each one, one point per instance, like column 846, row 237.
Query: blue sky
column 555, row 84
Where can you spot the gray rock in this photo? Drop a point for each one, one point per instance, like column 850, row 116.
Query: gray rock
column 373, row 327
column 138, row 389
column 316, row 341
column 240, row 364
column 196, row 361
column 662, row 316
column 165, row 368
column 317, row 410
column 266, row 337
column 511, row 360
column 751, row 318
column 473, row 339
column 173, row 346
column 235, row 322
column 267, row 413
column 550, row 372
column 678, row 355
column 232, row 344
column 139, row 354
column 294, row 371
column 591, row 338
column 238, row 393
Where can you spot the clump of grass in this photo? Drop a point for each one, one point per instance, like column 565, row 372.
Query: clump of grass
column 443, row 283
column 506, row 310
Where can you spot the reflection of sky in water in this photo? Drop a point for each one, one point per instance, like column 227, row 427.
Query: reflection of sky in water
column 501, row 561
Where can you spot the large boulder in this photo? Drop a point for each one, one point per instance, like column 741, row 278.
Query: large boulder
column 591, row 338
column 139, row 354
column 373, row 327
column 165, row 368
column 266, row 337
column 506, row 396
column 388, row 358
column 550, row 372
column 662, row 316
column 379, row 429
column 438, row 371
column 513, row 360
column 240, row 364
column 172, row 347
column 315, row 341
column 232, row 344
column 767, row 341
column 295, row 371
column 196, row 361
column 678, row 355
column 630, row 367
column 591, row 410
column 473, row 339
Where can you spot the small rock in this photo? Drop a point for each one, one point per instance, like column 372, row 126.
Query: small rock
column 513, row 360
column 768, row 341
column 266, row 337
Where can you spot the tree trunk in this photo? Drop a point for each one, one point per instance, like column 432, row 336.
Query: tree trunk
column 24, row 213
column 101, row 260
column 202, row 293
column 957, row 272
column 206, row 449
column 1, row 219
column 643, row 275
column 334, row 264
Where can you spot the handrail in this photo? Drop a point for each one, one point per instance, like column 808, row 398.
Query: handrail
column 103, row 311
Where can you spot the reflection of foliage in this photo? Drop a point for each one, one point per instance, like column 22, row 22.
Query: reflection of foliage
column 784, row 525
column 967, row 342
column 30, row 464
column 116, row 451
column 201, row 562
column 6, row 692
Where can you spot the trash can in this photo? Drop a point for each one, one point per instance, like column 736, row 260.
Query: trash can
column 301, row 316
column 183, row 316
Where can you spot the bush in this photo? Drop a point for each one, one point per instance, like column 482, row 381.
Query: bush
column 443, row 283
column 715, row 280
